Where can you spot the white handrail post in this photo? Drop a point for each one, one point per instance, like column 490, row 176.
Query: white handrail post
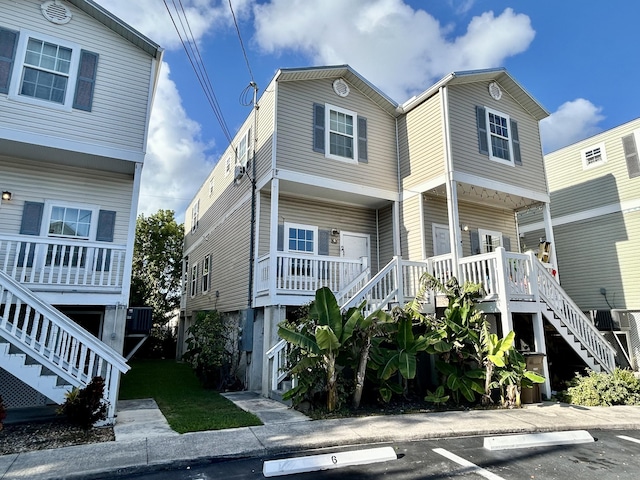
column 504, row 302
column 399, row 281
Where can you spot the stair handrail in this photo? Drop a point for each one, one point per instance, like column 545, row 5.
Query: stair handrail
column 356, row 281
column 62, row 320
column 547, row 284
column 278, row 372
column 361, row 294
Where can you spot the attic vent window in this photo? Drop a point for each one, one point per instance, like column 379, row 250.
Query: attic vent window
column 56, row 12
column 341, row 88
column 594, row 156
column 495, row 91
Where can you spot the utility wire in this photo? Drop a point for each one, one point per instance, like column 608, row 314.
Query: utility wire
column 193, row 54
column 244, row 52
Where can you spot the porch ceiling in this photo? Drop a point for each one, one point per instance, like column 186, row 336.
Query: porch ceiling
column 320, row 192
column 486, row 196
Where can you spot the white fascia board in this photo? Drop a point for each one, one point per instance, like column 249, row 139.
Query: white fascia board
column 424, row 187
column 624, row 207
column 71, row 145
column 339, row 185
column 542, row 197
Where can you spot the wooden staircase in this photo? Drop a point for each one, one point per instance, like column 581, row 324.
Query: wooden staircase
column 50, row 352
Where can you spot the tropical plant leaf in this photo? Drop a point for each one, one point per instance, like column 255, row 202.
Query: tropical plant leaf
column 446, row 368
column 327, row 339
column 354, row 316
column 533, row 377
column 299, row 339
column 385, row 393
column 478, row 373
column 405, row 334
column 390, row 367
column 305, row 363
column 407, row 365
column 442, row 346
column 328, row 310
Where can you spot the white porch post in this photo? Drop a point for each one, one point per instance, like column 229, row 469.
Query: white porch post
column 540, row 344
column 455, row 237
column 504, row 302
column 548, row 231
column 396, row 229
column 273, row 240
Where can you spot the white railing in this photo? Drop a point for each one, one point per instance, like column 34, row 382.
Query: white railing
column 304, row 274
column 56, row 341
column 277, row 355
column 572, row 317
column 59, row 262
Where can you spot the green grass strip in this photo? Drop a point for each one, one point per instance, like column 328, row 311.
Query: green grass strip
column 187, row 406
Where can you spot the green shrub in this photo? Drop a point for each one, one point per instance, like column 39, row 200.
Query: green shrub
column 86, row 406
column 620, row 387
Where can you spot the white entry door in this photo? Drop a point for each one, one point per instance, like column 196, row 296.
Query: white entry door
column 441, row 240
column 353, row 246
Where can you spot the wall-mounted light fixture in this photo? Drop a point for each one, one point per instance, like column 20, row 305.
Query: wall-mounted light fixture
column 465, row 228
column 6, row 195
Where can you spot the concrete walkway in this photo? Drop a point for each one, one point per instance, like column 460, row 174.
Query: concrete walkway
column 148, row 447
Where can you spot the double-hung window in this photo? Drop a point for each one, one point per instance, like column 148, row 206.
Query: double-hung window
column 195, row 216
column 489, row 240
column 498, row 136
column 243, row 149
column 194, row 279
column 206, row 265
column 39, row 69
column 339, row 133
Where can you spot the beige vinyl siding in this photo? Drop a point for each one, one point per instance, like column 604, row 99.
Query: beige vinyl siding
column 327, row 216
column 264, row 147
column 600, row 253
column 295, row 135
column 421, row 143
column 474, row 215
column 411, row 229
column 264, row 223
column 605, row 184
column 120, row 101
column 463, row 100
column 38, row 182
column 385, row 233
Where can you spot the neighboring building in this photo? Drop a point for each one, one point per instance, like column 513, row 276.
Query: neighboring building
column 76, row 88
column 595, row 209
column 355, row 192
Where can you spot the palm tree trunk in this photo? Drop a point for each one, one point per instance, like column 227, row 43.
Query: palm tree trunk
column 360, row 374
column 332, row 393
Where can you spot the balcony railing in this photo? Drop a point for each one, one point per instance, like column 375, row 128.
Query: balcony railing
column 298, row 274
column 61, row 263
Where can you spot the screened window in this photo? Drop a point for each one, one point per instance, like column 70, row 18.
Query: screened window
column 301, row 238
column 206, row 265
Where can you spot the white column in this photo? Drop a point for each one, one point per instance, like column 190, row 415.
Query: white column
column 273, row 240
column 455, row 237
column 548, row 231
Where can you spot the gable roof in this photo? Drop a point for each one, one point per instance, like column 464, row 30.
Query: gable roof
column 121, row 28
column 337, row 71
column 499, row 75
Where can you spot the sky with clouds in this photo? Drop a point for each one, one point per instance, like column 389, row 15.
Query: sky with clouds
column 569, row 55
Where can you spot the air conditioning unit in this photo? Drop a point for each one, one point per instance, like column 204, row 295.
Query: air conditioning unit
column 239, row 172
column 621, row 319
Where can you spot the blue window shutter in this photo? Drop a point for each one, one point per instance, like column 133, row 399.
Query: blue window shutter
column 506, row 243
column 106, row 226
column 481, row 120
column 280, row 237
column 363, row 156
column 474, row 237
column 31, row 218
column 515, row 143
column 8, row 43
column 631, row 155
column 86, row 81
column 323, row 242
column 318, row 128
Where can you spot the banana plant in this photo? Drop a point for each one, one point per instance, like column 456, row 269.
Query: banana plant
column 332, row 331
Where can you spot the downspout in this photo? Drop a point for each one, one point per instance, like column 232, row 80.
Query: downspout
column 452, row 194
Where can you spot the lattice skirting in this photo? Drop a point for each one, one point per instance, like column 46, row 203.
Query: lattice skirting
column 16, row 393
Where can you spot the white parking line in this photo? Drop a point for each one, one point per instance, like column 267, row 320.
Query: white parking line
column 465, row 463
column 629, row 439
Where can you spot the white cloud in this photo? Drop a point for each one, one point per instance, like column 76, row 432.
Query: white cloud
column 461, row 6
column 573, row 121
column 176, row 163
column 401, row 50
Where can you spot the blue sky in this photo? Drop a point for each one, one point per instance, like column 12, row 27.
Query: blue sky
column 575, row 57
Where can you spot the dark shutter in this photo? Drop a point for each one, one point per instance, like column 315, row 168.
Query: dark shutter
column 323, row 242
column 31, row 218
column 280, row 237
column 631, row 155
column 8, row 42
column 86, row 81
column 318, row 128
column 481, row 120
column 506, row 243
column 363, row 156
column 106, row 226
column 474, row 237
column 515, row 143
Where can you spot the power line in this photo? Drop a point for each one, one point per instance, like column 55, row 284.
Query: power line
column 244, row 52
column 193, row 54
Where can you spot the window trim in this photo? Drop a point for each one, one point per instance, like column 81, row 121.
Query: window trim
column 206, row 273
column 597, row 163
column 494, row 233
column 19, row 64
column 194, row 280
column 244, row 158
column 327, row 133
column 487, row 111
column 46, row 219
column 300, row 226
